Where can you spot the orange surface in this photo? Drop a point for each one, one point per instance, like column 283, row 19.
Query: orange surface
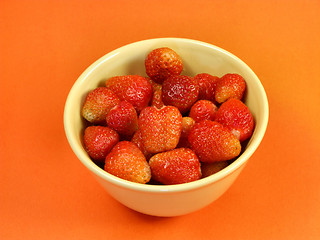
column 46, row 193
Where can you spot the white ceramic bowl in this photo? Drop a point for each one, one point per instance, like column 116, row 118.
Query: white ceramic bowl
column 198, row 57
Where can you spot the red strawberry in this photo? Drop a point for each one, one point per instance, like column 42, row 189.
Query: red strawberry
column 160, row 128
column 230, row 86
column 203, row 110
column 156, row 100
column 207, row 169
column 132, row 88
column 98, row 141
column 236, row 116
column 177, row 166
column 180, row 91
column 123, row 119
column 187, row 124
column 162, row 63
column 126, row 161
column 97, row 104
column 207, row 86
column 213, row 142
column 137, row 139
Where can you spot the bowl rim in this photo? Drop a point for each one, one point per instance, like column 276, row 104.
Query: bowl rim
column 95, row 169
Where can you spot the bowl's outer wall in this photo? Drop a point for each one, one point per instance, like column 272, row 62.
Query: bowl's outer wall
column 170, row 204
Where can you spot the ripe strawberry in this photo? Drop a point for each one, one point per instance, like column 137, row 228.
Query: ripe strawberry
column 180, row 91
column 230, row 86
column 137, row 139
column 203, row 110
column 126, row 161
column 132, row 88
column 123, row 119
column 207, row 86
column 156, row 100
column 236, row 116
column 187, row 124
column 160, row 128
column 162, row 63
column 212, row 142
column 207, row 169
column 177, row 166
column 99, row 141
column 97, row 104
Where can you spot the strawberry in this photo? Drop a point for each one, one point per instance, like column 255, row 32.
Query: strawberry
column 207, row 169
column 231, row 85
column 156, row 100
column 97, row 104
column 126, row 161
column 177, row 166
column 187, row 124
column 137, row 139
column 134, row 89
column 236, row 116
column 123, row 119
column 160, row 128
column 162, row 63
column 180, row 91
column 207, row 86
column 98, row 141
column 212, row 142
column 203, row 109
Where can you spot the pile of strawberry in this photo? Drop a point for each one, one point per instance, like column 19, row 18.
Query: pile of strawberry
column 166, row 128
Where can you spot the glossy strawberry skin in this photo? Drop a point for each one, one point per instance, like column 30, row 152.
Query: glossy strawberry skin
column 126, row 161
column 203, row 110
column 207, row 86
column 97, row 104
column 236, row 116
column 160, row 128
column 137, row 139
column 134, row 89
column 123, row 118
column 156, row 100
column 231, row 85
column 99, row 141
column 177, row 166
column 180, row 91
column 212, row 142
column 162, row 63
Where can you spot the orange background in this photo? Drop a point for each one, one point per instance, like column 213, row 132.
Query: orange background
column 46, row 193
